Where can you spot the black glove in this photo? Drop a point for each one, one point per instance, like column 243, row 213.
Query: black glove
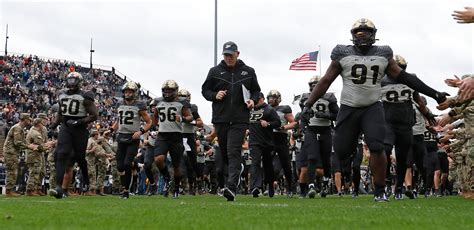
column 431, row 119
column 307, row 113
column 74, row 123
column 321, row 115
column 441, row 97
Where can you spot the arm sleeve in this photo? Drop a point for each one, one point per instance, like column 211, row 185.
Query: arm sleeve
column 274, row 119
column 415, row 83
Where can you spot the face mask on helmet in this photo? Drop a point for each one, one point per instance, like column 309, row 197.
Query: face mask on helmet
column 274, row 97
column 129, row 91
column 363, row 33
column 73, row 81
column 170, row 90
column 184, row 93
column 169, row 94
column 401, row 61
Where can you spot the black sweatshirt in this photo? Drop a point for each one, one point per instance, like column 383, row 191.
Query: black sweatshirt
column 232, row 108
column 259, row 135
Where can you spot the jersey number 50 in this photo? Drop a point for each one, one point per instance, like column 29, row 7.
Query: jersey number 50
column 69, row 106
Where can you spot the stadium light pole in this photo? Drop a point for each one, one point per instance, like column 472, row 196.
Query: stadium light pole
column 6, row 42
column 215, row 32
column 92, row 51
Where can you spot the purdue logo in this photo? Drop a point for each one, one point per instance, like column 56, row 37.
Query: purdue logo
column 256, row 116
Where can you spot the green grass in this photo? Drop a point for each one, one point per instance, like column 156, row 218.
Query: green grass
column 212, row 212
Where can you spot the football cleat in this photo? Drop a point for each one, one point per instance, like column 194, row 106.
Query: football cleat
column 311, row 192
column 255, row 192
column 229, row 194
column 381, row 198
column 410, row 194
column 57, row 193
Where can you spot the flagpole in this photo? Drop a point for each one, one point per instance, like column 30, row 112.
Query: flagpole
column 320, row 60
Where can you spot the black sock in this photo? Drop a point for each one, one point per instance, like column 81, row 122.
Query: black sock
column 379, row 189
column 303, row 188
column 165, row 173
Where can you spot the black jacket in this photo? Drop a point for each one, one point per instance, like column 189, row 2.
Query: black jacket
column 232, row 108
column 259, row 135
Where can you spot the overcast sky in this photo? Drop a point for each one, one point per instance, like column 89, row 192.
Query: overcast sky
column 155, row 41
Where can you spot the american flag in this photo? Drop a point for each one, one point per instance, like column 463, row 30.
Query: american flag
column 306, row 62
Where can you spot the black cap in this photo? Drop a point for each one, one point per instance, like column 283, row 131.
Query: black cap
column 229, row 48
column 260, row 95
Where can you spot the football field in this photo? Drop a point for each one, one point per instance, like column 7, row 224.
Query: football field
column 213, row 212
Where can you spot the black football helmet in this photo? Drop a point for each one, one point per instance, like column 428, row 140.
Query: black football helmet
column 170, row 90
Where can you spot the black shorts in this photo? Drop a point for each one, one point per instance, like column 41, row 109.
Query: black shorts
column 317, row 146
column 200, row 169
column 431, row 162
column 402, row 132
column 443, row 162
column 352, row 121
column 72, row 144
column 172, row 143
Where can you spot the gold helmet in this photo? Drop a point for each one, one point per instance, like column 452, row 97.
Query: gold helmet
column 130, row 86
column 184, row 93
column 400, row 61
column 275, row 95
column 361, row 25
column 169, row 90
column 314, row 79
column 74, row 81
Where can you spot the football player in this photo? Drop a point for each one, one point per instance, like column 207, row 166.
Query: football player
column 170, row 113
column 280, row 137
column 317, row 146
column 76, row 110
column 362, row 67
column 400, row 118
column 190, row 137
column 130, row 114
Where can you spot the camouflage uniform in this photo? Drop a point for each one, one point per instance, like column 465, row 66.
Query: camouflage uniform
column 44, row 133
column 14, row 143
column 52, row 167
column 101, row 161
column 90, row 158
column 113, row 164
column 34, row 159
column 463, row 148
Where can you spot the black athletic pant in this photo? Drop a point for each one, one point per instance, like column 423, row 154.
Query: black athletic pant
column 416, row 156
column 401, row 136
column 71, row 148
column 191, row 160
column 261, row 154
column 231, row 137
column 126, row 152
column 148, row 163
column 282, row 148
